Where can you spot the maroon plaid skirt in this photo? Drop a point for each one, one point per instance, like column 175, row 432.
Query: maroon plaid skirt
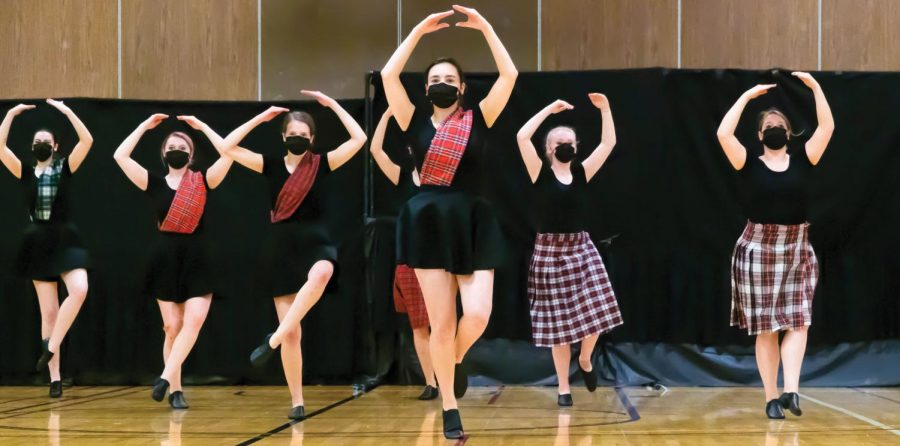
column 773, row 278
column 570, row 293
column 408, row 297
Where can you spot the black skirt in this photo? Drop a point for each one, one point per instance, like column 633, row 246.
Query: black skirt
column 290, row 251
column 180, row 268
column 450, row 230
column 50, row 249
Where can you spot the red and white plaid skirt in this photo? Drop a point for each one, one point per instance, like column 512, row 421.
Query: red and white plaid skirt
column 569, row 289
column 773, row 278
column 408, row 297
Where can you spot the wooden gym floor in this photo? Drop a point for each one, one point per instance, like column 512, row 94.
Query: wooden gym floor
column 491, row 415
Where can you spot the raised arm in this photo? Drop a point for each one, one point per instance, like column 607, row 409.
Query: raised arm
column 345, row 151
column 216, row 173
column 401, row 107
column 598, row 157
column 734, row 150
column 85, row 140
column 524, row 137
column 494, row 103
column 818, row 142
column 244, row 157
column 7, row 157
column 390, row 169
column 122, row 155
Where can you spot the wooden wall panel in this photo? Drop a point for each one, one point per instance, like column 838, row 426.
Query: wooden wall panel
column 324, row 45
column 597, row 34
column 749, row 34
column 189, row 49
column 861, row 35
column 56, row 48
column 515, row 21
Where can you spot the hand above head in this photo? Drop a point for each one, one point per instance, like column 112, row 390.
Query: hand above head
column 59, row 105
column 559, row 105
column 154, row 120
column 320, row 97
column 433, row 23
column 599, row 100
column 192, row 121
column 474, row 19
column 17, row 110
column 271, row 113
column 758, row 90
column 806, row 78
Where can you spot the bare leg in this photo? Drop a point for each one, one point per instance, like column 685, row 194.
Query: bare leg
column 195, row 311
column 77, row 285
column 309, row 294
column 793, row 347
column 48, row 301
column 420, row 339
column 477, row 292
column 173, row 318
column 562, row 355
column 587, row 348
column 291, row 357
column 439, row 289
column 767, row 361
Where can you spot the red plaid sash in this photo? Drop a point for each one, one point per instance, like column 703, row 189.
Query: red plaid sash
column 447, row 149
column 296, row 188
column 187, row 206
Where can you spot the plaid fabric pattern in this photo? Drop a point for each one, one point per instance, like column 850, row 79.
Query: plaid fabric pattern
column 773, row 278
column 408, row 297
column 569, row 289
column 446, row 150
column 187, row 206
column 296, row 188
column 47, row 187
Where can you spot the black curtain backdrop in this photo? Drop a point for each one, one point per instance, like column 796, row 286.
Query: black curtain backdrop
column 667, row 195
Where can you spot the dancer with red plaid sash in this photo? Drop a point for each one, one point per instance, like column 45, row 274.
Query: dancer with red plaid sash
column 179, row 275
column 774, row 269
column 569, row 290
column 51, row 248
column 448, row 235
column 299, row 257
column 407, row 292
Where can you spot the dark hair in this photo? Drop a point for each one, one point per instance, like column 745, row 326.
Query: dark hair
column 775, row 111
column 181, row 135
column 449, row 60
column 300, row 116
column 51, row 132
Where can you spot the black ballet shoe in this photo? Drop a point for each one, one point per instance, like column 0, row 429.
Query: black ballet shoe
column 590, row 378
column 55, row 389
column 159, row 389
column 297, row 413
column 774, row 411
column 564, row 400
column 453, row 429
column 429, row 393
column 46, row 356
column 791, row 401
column 460, row 381
column 262, row 354
column 177, row 401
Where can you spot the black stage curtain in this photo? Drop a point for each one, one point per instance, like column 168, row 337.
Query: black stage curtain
column 669, row 196
column 117, row 338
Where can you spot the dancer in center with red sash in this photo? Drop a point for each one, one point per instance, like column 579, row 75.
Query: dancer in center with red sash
column 449, row 236
column 300, row 254
column 179, row 272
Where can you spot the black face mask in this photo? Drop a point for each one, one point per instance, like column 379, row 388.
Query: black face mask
column 42, row 150
column 775, row 138
column 564, row 152
column 443, row 95
column 176, row 159
column 296, row 144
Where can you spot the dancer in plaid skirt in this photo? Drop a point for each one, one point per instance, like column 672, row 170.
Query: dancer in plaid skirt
column 571, row 297
column 774, row 268
column 299, row 256
column 51, row 249
column 445, row 232
column 179, row 275
column 407, row 292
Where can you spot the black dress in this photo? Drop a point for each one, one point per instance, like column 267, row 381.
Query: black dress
column 297, row 243
column 561, row 206
column 449, row 227
column 51, row 246
column 180, row 266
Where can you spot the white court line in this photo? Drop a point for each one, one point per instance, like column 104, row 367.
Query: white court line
column 853, row 414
